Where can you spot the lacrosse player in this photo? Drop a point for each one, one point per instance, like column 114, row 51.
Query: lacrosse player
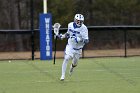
column 77, row 35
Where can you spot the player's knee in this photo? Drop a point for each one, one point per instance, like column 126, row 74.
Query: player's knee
column 66, row 60
column 67, row 57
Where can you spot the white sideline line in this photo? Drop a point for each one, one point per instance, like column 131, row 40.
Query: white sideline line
column 124, row 73
column 135, row 77
column 34, row 82
column 126, row 69
column 53, row 81
column 99, row 70
column 21, row 72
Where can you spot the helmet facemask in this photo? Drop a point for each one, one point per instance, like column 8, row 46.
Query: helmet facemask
column 79, row 19
column 78, row 22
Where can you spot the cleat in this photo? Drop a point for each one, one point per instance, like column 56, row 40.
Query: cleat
column 62, row 78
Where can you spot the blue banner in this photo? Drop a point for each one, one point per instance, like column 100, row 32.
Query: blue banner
column 45, row 36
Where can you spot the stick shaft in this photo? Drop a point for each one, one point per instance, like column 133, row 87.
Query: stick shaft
column 55, row 50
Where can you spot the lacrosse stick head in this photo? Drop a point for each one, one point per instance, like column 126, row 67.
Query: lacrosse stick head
column 56, row 27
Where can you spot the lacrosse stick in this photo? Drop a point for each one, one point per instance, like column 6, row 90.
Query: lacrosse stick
column 56, row 27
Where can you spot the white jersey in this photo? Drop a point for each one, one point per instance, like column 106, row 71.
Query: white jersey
column 81, row 32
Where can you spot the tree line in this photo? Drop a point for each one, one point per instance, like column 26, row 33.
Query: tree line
column 15, row 14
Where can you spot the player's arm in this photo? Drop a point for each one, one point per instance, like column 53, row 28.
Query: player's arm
column 76, row 39
column 66, row 35
column 85, row 36
column 86, row 41
column 62, row 36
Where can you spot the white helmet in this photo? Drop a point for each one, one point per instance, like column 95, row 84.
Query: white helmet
column 79, row 19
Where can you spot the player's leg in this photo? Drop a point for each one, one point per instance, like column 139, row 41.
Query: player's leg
column 74, row 63
column 64, row 66
column 68, row 56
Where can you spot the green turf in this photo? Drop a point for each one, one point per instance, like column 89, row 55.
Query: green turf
column 97, row 75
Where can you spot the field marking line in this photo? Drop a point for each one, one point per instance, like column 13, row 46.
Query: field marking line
column 40, row 70
column 130, row 81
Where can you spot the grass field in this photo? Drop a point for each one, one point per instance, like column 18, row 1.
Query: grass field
column 96, row 75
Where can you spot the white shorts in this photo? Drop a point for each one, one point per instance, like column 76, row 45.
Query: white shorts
column 73, row 52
